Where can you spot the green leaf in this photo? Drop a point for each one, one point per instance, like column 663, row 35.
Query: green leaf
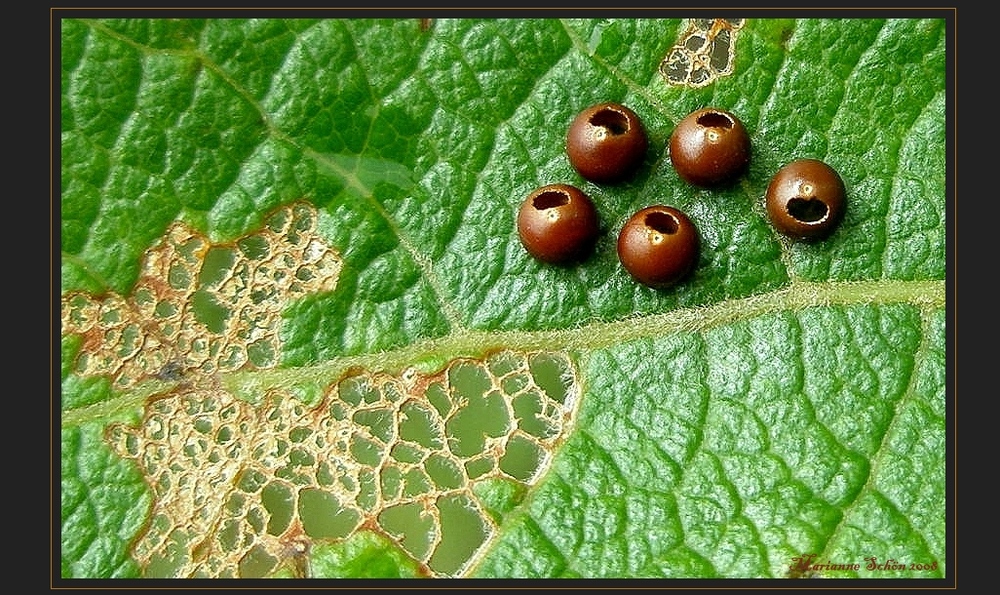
column 786, row 400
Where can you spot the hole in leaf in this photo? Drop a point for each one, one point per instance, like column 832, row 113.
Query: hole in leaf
column 416, row 483
column 364, row 451
column 168, row 561
column 367, row 496
column 380, row 422
column 218, row 262
column 277, row 499
column 695, row 42
column 462, row 533
column 477, row 467
column 522, row 459
column 209, row 312
column 392, row 483
column 408, row 522
column 418, row 426
column 443, row 472
column 552, row 375
column 407, row 453
column 257, row 563
column 255, row 247
column 721, row 53
column 323, row 517
column 527, row 409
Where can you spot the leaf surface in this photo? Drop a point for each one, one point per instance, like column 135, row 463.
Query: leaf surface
column 787, row 399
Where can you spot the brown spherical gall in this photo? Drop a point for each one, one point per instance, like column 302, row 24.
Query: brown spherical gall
column 659, row 246
column 806, row 199
column 557, row 223
column 710, row 147
column 606, row 143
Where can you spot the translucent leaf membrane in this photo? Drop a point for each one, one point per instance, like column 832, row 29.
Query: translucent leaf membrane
column 705, row 52
column 200, row 307
column 243, row 491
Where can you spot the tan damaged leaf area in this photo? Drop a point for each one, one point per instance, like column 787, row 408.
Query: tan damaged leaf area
column 201, row 308
column 704, row 52
column 243, row 490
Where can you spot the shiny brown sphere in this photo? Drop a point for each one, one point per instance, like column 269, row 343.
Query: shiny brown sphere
column 710, row 147
column 806, row 199
column 557, row 223
column 659, row 246
column 606, row 143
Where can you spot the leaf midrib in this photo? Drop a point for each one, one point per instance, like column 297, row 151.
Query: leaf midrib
column 461, row 341
column 927, row 295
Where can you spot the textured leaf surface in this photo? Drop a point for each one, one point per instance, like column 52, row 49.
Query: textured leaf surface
column 787, row 399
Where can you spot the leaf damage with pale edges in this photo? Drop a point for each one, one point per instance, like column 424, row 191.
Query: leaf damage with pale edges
column 243, row 491
column 705, row 51
column 202, row 308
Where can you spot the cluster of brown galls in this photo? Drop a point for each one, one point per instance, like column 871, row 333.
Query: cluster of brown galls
column 659, row 245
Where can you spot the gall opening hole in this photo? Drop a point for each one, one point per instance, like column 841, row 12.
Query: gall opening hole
column 715, row 120
column 615, row 122
column 550, row 200
column 807, row 210
column 664, row 223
